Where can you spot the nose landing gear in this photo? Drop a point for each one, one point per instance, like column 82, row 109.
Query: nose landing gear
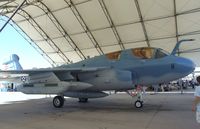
column 137, row 93
column 138, row 104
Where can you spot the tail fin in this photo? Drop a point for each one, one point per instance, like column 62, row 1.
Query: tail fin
column 12, row 63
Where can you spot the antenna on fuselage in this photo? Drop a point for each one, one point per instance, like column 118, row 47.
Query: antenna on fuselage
column 178, row 44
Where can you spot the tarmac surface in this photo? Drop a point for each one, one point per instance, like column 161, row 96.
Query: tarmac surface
column 160, row 111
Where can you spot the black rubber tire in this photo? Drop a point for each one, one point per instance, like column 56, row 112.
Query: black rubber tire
column 138, row 104
column 58, row 101
column 83, row 100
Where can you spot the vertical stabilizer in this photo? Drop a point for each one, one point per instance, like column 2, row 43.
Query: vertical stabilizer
column 12, row 63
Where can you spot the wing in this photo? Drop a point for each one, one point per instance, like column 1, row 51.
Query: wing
column 51, row 80
column 36, row 71
column 63, row 74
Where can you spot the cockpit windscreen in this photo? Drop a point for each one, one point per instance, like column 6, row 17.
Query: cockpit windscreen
column 149, row 53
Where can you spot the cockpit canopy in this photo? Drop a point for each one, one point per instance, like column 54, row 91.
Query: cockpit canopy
column 149, row 53
column 114, row 55
column 143, row 53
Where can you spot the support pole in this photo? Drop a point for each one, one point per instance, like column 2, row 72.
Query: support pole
column 12, row 15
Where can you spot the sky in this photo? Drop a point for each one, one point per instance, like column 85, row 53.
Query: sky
column 11, row 42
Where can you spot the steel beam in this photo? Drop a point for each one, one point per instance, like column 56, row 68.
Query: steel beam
column 175, row 18
column 142, row 22
column 105, row 10
column 60, row 28
column 12, row 15
column 84, row 26
column 35, row 46
column 45, row 36
column 30, row 41
column 145, row 20
column 174, row 15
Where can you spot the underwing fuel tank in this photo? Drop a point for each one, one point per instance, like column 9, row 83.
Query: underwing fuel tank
column 52, row 88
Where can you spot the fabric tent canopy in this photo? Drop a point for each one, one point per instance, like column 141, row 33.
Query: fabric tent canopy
column 66, row 31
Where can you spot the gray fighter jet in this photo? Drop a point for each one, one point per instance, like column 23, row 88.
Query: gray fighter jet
column 118, row 71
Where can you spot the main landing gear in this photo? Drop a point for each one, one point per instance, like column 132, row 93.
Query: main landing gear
column 58, row 101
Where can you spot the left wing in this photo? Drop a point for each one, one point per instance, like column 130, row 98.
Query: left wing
column 48, row 81
column 36, row 71
column 60, row 73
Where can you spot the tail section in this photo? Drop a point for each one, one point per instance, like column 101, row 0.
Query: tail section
column 12, row 63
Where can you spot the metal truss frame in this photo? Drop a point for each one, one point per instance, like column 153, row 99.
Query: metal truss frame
column 61, row 29
column 67, row 37
column 106, row 13
column 35, row 46
column 10, row 18
column 44, row 35
column 86, row 29
column 142, row 22
column 31, row 42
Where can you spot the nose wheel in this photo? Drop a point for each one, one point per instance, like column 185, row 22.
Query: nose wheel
column 58, row 101
column 138, row 104
column 137, row 93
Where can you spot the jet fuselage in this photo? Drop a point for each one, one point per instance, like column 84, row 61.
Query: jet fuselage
column 128, row 70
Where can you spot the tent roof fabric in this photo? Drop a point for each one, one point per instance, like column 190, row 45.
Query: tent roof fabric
column 66, row 31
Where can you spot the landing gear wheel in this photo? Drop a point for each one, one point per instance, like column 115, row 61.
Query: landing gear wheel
column 83, row 100
column 138, row 104
column 58, row 101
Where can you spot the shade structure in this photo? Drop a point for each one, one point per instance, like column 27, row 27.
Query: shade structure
column 66, row 31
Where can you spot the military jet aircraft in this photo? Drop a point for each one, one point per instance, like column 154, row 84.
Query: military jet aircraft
column 118, row 71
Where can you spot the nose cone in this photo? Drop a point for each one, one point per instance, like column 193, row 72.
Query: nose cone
column 185, row 66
